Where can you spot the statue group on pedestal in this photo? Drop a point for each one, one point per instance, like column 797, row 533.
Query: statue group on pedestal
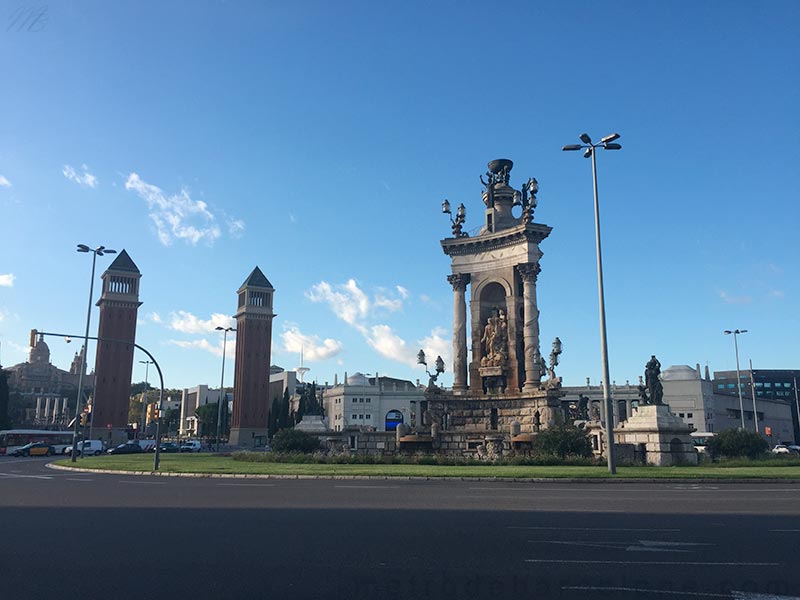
column 652, row 392
column 495, row 341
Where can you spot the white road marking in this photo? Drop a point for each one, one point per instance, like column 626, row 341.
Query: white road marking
column 13, row 476
column 247, row 484
column 142, row 482
column 654, row 562
column 586, row 528
column 752, row 596
column 76, row 479
column 593, row 588
column 646, row 546
column 368, row 487
column 785, row 530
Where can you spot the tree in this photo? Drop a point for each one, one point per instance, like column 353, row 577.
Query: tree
column 279, row 417
column 5, row 420
column 206, row 419
column 294, row 440
column 562, row 441
column 733, row 443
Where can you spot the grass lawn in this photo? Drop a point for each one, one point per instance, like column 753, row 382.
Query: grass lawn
column 209, row 463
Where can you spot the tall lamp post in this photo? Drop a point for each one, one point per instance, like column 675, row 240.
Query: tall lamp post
column 590, row 150
column 222, row 395
column 99, row 251
column 736, row 332
column 146, row 364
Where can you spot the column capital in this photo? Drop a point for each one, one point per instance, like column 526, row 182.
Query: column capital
column 459, row 281
column 529, row 271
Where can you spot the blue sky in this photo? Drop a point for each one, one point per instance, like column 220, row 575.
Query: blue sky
column 317, row 141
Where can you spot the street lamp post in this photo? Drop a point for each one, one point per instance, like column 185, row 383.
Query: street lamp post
column 146, row 364
column 99, row 251
column 736, row 332
column 222, row 395
column 67, row 337
column 590, row 150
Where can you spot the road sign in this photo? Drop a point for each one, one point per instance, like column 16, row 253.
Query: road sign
column 109, row 426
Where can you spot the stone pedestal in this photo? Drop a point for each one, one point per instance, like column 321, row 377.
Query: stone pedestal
column 313, row 424
column 663, row 437
column 248, row 437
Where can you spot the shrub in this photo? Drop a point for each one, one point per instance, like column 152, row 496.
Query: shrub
column 293, row 440
column 736, row 443
column 562, row 441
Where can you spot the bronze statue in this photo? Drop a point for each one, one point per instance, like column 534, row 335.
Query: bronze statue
column 655, row 391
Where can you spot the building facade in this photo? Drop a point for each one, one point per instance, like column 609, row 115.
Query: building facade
column 48, row 393
column 372, row 403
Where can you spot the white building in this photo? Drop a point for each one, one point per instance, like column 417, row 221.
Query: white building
column 371, row 403
column 191, row 400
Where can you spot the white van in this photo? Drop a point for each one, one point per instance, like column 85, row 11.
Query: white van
column 88, row 448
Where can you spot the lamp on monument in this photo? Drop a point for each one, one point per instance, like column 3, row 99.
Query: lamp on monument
column 446, row 207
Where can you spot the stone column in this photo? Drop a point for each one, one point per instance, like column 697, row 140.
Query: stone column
column 530, row 333
column 38, row 408
column 459, row 282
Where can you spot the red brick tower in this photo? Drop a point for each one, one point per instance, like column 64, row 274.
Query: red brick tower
column 119, row 304
column 251, row 401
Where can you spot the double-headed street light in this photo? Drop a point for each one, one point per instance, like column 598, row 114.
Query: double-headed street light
column 736, row 332
column 222, row 395
column 146, row 364
column 607, row 143
column 99, row 251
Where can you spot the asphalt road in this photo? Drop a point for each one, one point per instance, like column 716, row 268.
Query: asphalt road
column 86, row 535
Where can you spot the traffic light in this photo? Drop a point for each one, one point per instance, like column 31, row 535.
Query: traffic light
column 152, row 412
column 83, row 419
column 33, row 338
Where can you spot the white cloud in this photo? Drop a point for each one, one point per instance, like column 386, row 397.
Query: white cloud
column 295, row 341
column 85, row 179
column 179, row 216
column 155, row 317
column 7, row 280
column 235, row 227
column 4, row 182
column 777, row 294
column 22, row 350
column 347, row 301
column 388, row 304
column 402, row 291
column 3, row 315
column 728, row 299
column 186, row 322
column 204, row 344
column 388, row 344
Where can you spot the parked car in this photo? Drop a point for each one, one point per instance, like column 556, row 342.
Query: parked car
column 35, row 449
column 170, row 447
column 191, row 446
column 127, row 448
column 88, row 448
column 793, row 449
column 781, row 449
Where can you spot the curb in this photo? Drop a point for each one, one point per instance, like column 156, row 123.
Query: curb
column 615, row 480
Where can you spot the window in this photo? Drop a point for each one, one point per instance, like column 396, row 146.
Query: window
column 689, row 416
column 355, row 400
column 691, row 425
column 361, row 400
column 709, row 416
column 369, row 416
column 680, row 415
column 361, row 417
column 369, row 400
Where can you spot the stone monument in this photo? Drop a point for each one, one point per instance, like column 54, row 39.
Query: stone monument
column 658, row 436
column 498, row 396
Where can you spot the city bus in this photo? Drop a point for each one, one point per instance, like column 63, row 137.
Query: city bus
column 11, row 439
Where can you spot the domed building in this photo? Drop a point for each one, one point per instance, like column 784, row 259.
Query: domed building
column 45, row 388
